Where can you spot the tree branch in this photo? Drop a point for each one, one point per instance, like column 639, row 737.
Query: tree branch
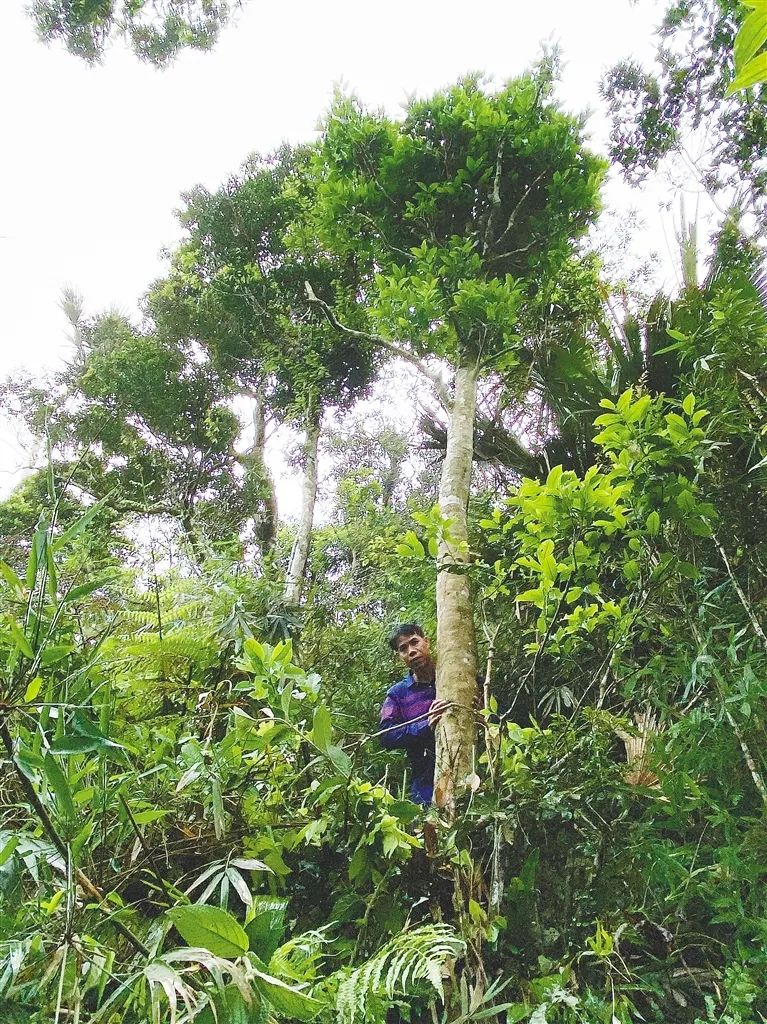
column 376, row 339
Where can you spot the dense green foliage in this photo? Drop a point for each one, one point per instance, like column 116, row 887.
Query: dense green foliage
column 197, row 823
column 156, row 30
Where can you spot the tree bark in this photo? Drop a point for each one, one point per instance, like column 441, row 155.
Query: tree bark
column 295, row 576
column 266, row 520
column 456, row 661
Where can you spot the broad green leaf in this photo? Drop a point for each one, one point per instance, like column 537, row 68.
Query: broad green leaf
column 286, row 999
column 267, row 926
column 231, row 1008
column 653, row 524
column 210, row 927
column 625, row 400
column 33, row 689
column 340, row 760
column 752, row 74
column 751, row 36
column 68, row 744
column 689, row 405
column 50, row 655
column 322, row 729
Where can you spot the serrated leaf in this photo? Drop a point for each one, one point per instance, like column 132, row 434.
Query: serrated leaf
column 211, row 928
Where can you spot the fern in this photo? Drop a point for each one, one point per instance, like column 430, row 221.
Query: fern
column 398, row 967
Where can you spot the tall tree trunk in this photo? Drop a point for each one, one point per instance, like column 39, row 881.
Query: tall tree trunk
column 456, row 661
column 295, row 576
column 266, row 521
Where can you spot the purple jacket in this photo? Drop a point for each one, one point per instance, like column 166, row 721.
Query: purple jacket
column 405, row 701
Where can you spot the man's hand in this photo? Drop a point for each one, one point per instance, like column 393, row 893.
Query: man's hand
column 436, row 711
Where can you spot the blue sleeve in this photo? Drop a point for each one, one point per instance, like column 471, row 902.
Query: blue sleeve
column 406, row 735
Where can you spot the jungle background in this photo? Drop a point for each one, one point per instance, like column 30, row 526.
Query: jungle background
column 498, row 428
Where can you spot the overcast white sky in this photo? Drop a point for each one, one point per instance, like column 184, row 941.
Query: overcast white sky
column 94, row 159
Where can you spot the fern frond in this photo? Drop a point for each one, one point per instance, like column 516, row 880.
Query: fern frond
column 398, row 968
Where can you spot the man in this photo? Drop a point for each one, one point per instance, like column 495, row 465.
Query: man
column 411, row 711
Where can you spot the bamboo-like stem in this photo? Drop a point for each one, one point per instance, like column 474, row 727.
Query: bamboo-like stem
column 83, row 881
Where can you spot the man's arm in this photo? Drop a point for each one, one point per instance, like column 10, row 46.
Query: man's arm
column 400, row 732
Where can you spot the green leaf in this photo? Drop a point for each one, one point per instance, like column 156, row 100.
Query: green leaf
column 625, row 400
column 58, row 783
column 75, row 745
column 80, row 525
column 11, row 578
column 231, row 1008
column 653, row 524
column 20, row 638
column 33, row 689
column 266, row 929
column 75, row 593
column 689, row 405
column 58, row 652
column 286, row 999
column 322, row 728
column 340, row 760
column 750, row 38
column 211, row 928
column 752, row 74
column 6, row 851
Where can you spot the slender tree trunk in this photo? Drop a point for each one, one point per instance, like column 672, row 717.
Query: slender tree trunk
column 266, row 525
column 300, row 553
column 456, row 661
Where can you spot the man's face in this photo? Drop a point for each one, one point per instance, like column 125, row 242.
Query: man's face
column 414, row 651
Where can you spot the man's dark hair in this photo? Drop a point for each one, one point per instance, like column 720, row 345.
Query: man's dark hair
column 404, row 629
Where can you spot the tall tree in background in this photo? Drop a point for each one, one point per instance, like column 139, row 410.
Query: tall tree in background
column 681, row 107
column 146, row 424
column 237, row 288
column 464, row 209
column 156, row 30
